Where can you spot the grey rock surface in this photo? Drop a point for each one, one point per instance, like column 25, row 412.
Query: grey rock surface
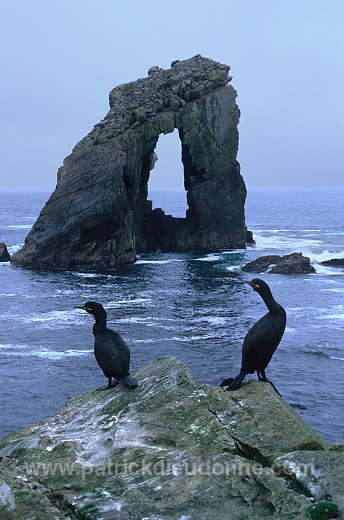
column 99, row 216
column 169, row 450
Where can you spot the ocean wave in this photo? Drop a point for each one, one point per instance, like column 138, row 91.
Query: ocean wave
column 147, row 261
column 158, row 323
column 233, row 268
column 188, row 339
column 213, row 320
column 84, row 275
column 232, row 252
column 321, row 354
column 13, row 249
column 287, row 243
column 334, row 312
column 317, row 353
column 331, row 317
column 327, row 271
column 54, row 319
column 181, row 339
column 18, row 226
column 325, row 255
column 211, row 257
column 41, row 352
column 133, row 301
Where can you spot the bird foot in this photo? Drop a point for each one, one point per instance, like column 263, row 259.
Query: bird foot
column 102, row 388
column 226, row 382
column 113, row 384
column 108, row 386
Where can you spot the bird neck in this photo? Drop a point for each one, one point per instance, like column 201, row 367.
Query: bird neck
column 272, row 305
column 100, row 324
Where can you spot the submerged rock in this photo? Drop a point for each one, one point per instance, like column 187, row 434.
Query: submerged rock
column 295, row 263
column 168, row 450
column 4, row 254
column 99, row 216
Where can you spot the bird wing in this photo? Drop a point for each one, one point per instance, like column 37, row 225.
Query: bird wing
column 261, row 342
column 112, row 353
column 122, row 350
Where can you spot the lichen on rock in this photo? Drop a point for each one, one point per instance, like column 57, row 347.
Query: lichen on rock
column 167, row 449
column 99, row 216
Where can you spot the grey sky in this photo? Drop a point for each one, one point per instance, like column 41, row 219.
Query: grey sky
column 60, row 59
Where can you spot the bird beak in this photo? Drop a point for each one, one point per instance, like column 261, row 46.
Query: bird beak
column 253, row 285
column 84, row 308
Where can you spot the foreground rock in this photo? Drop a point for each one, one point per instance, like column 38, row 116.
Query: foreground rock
column 4, row 254
column 295, row 263
column 99, row 216
column 169, row 450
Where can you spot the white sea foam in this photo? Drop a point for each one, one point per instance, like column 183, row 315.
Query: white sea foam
column 85, row 275
column 13, row 249
column 331, row 317
column 54, row 319
column 134, row 301
column 287, row 243
column 148, row 322
column 41, row 352
column 141, row 261
column 326, row 270
column 52, row 354
column 211, row 257
column 233, row 252
column 19, row 226
column 233, row 268
column 325, row 255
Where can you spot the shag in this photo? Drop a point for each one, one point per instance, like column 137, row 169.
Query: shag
column 261, row 340
column 110, row 350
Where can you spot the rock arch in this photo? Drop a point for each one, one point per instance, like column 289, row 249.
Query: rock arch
column 99, row 216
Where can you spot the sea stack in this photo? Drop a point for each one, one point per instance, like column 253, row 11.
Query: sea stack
column 4, row 254
column 99, row 215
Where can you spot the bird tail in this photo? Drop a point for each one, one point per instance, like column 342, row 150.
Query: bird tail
column 234, row 384
column 129, row 382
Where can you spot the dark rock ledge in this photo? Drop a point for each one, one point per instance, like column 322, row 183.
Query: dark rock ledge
column 169, row 450
column 333, row 262
column 295, row 263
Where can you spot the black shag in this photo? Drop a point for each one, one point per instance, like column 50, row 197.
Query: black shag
column 261, row 340
column 110, row 350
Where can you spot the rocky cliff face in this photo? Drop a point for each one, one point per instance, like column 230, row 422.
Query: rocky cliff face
column 169, row 450
column 99, row 215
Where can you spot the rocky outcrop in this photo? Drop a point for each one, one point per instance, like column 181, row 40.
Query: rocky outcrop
column 99, row 216
column 4, row 254
column 333, row 262
column 295, row 263
column 168, row 450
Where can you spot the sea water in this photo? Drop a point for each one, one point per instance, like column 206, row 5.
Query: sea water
column 193, row 306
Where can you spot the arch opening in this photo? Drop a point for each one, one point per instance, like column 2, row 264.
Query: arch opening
column 166, row 181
